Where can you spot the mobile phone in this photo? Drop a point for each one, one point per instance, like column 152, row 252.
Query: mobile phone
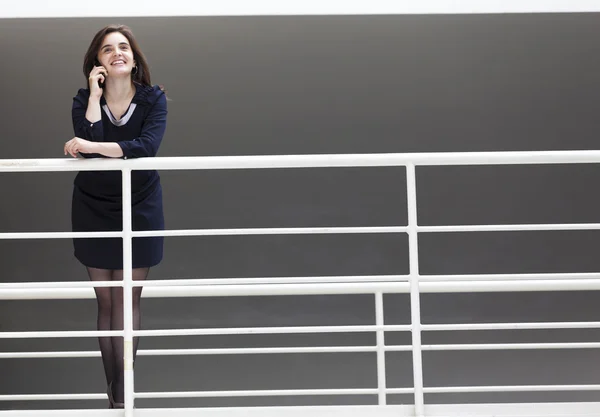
column 100, row 83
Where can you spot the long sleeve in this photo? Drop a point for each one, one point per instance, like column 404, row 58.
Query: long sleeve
column 82, row 127
column 153, row 130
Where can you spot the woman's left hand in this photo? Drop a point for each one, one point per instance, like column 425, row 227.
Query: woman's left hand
column 76, row 145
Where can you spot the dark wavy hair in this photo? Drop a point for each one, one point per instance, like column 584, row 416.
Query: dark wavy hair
column 141, row 76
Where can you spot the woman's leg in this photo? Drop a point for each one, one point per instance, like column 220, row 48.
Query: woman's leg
column 103, row 297
column 117, row 324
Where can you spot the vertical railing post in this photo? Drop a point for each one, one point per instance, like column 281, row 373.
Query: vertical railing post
column 379, row 322
column 127, row 293
column 415, row 303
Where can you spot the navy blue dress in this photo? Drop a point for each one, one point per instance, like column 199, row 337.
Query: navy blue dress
column 97, row 195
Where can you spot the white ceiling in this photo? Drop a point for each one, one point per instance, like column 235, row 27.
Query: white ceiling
column 111, row 8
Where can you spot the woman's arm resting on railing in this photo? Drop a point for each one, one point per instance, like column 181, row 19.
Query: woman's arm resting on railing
column 77, row 145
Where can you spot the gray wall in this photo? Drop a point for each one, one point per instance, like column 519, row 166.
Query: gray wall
column 330, row 84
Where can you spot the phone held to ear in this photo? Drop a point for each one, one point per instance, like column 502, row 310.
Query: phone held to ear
column 100, row 83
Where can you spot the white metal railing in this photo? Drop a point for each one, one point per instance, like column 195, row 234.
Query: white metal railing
column 413, row 283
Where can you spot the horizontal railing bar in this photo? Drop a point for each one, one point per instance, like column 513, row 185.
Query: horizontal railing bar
column 509, row 227
column 270, row 330
column 304, row 230
column 317, row 289
column 195, row 394
column 506, row 277
column 399, row 390
column 299, row 280
column 549, row 409
column 194, row 352
column 255, row 393
column 50, row 354
column 205, row 281
column 397, row 348
column 265, row 393
column 272, row 231
column 302, row 161
column 285, row 289
column 510, row 388
column 252, row 411
column 218, row 290
column 273, row 280
column 511, row 326
column 36, row 287
column 51, row 397
column 510, row 285
column 58, row 235
column 59, row 334
column 552, row 408
column 205, row 332
column 529, row 409
column 512, row 346
column 310, row 349
column 47, row 293
column 62, row 285
column 254, row 351
column 196, row 332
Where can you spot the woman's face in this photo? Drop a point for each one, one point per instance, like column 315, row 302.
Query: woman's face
column 115, row 55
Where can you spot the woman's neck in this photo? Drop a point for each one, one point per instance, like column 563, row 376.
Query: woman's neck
column 118, row 89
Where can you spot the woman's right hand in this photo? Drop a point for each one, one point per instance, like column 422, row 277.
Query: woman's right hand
column 98, row 74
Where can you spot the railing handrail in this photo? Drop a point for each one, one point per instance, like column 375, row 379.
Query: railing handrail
column 302, row 161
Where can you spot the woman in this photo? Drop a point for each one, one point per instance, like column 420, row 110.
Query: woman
column 119, row 115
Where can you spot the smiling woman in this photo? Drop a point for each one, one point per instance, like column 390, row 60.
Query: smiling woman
column 120, row 114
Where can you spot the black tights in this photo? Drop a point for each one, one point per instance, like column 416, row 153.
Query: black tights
column 110, row 317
